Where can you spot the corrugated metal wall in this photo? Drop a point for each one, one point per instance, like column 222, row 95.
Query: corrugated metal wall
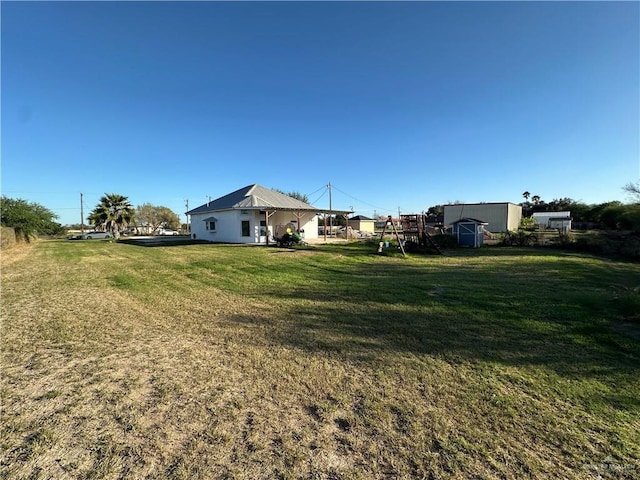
column 500, row 216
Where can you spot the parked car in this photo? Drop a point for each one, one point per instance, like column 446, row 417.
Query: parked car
column 95, row 235
column 164, row 231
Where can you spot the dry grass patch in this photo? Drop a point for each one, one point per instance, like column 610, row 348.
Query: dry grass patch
column 218, row 362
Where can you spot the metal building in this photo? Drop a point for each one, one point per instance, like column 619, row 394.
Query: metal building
column 499, row 217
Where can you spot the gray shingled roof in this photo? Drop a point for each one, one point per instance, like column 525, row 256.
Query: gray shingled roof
column 253, row 197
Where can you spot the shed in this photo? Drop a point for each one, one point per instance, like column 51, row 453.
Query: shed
column 362, row 223
column 469, row 232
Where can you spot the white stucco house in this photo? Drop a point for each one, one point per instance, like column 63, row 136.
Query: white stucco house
column 252, row 215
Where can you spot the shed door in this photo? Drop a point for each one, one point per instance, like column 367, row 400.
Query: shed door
column 467, row 234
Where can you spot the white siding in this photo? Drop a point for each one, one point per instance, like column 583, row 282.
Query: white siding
column 542, row 218
column 229, row 225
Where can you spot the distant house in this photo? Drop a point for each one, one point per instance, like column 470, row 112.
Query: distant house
column 469, row 232
column 555, row 220
column 251, row 215
column 499, row 217
column 362, row 223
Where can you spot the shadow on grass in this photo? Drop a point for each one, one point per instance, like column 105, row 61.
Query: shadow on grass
column 164, row 241
column 546, row 311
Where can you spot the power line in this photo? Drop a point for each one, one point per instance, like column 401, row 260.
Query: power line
column 362, row 201
column 321, row 195
column 313, row 193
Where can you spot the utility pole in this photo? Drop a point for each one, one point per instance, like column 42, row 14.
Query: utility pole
column 81, row 215
column 330, row 211
column 186, row 215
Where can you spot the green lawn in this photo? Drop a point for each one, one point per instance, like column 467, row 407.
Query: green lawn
column 215, row 362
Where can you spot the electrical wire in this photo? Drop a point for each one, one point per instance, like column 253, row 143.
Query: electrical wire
column 322, row 195
column 313, row 193
column 362, row 201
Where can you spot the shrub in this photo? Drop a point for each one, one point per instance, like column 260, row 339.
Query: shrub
column 626, row 300
column 445, row 241
column 521, row 238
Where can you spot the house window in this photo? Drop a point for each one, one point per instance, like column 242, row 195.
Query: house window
column 210, row 224
column 244, row 212
column 263, row 228
column 246, row 228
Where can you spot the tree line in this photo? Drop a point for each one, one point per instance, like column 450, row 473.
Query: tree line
column 608, row 215
column 114, row 213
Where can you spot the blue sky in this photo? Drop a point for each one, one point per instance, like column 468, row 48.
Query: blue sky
column 399, row 105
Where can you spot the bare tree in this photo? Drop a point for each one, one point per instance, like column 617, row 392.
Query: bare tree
column 633, row 189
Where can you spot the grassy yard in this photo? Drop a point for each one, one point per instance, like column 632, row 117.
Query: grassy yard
column 216, row 362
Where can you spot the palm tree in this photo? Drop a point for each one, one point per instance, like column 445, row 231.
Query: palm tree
column 526, row 195
column 114, row 213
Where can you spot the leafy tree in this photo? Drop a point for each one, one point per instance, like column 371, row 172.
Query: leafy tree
column 610, row 215
column 114, row 213
column 156, row 217
column 298, row 196
column 526, row 195
column 616, row 215
column 560, row 204
column 528, row 223
column 435, row 211
column 27, row 218
column 630, row 218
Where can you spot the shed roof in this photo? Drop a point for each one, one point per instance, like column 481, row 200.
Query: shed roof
column 481, row 203
column 563, row 214
column 469, row 220
column 360, row 217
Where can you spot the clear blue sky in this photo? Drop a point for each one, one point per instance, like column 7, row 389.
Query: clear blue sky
column 398, row 105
